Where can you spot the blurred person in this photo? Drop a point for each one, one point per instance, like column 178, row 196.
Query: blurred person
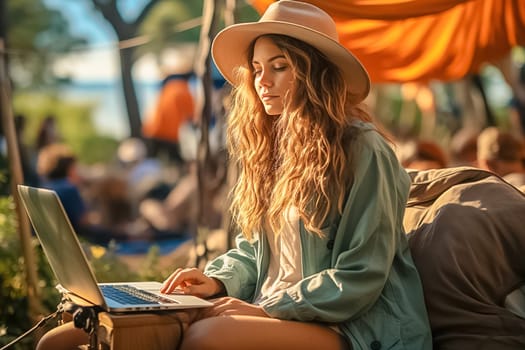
column 144, row 174
column 514, row 74
column 503, row 154
column 175, row 107
column 464, row 148
column 112, row 203
column 47, row 132
column 322, row 259
column 517, row 104
column 177, row 214
column 58, row 168
column 423, row 155
column 418, row 97
column 26, row 153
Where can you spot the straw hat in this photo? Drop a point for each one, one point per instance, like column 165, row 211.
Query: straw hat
column 298, row 20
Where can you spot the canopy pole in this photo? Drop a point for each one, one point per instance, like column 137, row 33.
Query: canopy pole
column 202, row 68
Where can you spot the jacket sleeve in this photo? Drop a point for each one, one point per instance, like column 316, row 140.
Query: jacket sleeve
column 365, row 244
column 236, row 269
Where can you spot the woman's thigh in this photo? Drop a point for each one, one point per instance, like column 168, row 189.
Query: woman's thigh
column 249, row 332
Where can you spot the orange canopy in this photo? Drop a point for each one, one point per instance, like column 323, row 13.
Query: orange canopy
column 413, row 40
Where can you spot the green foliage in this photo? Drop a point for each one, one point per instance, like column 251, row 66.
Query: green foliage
column 74, row 124
column 4, row 175
column 14, row 317
column 35, row 33
column 109, row 268
column 14, row 313
column 97, row 149
column 165, row 24
column 174, row 22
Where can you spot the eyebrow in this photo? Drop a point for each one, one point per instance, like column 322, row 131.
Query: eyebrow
column 270, row 60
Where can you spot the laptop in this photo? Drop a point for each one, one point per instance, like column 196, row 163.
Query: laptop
column 76, row 279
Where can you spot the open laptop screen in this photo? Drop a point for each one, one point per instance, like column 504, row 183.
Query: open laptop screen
column 60, row 243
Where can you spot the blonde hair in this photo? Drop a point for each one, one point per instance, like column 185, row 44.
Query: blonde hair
column 299, row 159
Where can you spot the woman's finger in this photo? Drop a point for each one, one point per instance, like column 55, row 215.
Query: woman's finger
column 177, row 278
column 184, row 279
column 167, row 282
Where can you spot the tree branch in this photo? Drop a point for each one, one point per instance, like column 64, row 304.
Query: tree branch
column 145, row 11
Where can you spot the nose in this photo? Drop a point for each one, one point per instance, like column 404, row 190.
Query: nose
column 264, row 78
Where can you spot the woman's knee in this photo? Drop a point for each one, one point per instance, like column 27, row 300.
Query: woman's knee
column 63, row 337
column 204, row 334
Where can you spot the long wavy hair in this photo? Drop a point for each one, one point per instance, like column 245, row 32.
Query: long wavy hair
column 300, row 159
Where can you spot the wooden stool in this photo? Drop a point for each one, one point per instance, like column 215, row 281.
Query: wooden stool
column 155, row 331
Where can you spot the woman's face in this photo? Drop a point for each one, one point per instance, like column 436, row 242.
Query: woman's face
column 273, row 78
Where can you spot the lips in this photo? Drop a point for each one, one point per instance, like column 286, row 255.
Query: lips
column 267, row 97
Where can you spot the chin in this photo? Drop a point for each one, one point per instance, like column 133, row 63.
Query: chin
column 273, row 111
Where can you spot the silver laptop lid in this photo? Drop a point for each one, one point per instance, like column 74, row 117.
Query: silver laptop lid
column 60, row 243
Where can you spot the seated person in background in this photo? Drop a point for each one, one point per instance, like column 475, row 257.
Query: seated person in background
column 424, row 155
column 144, row 175
column 175, row 107
column 463, row 148
column 57, row 166
column 503, row 154
column 177, row 214
column 465, row 230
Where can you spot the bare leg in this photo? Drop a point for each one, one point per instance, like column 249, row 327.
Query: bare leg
column 64, row 337
column 67, row 336
column 249, row 332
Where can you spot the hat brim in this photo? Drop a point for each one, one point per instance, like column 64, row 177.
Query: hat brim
column 230, row 46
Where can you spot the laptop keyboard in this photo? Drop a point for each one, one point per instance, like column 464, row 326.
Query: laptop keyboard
column 126, row 294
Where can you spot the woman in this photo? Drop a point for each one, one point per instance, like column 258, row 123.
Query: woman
column 322, row 261
column 319, row 201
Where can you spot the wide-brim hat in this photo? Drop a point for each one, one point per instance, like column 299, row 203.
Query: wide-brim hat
column 298, row 20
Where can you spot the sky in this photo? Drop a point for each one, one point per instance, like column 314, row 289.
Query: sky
column 99, row 60
column 99, row 63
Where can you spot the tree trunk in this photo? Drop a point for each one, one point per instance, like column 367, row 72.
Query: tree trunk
column 15, row 169
column 130, row 95
column 126, row 31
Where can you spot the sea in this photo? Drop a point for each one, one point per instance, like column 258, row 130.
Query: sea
column 109, row 112
column 110, row 115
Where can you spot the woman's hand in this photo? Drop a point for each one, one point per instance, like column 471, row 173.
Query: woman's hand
column 228, row 306
column 192, row 281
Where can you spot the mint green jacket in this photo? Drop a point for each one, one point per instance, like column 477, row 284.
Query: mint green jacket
column 360, row 275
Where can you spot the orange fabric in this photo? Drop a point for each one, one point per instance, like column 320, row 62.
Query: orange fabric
column 174, row 107
column 446, row 44
column 375, row 9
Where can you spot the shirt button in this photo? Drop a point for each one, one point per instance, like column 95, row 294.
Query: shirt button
column 330, row 244
column 375, row 345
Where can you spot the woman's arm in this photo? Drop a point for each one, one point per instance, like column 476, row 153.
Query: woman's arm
column 236, row 269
